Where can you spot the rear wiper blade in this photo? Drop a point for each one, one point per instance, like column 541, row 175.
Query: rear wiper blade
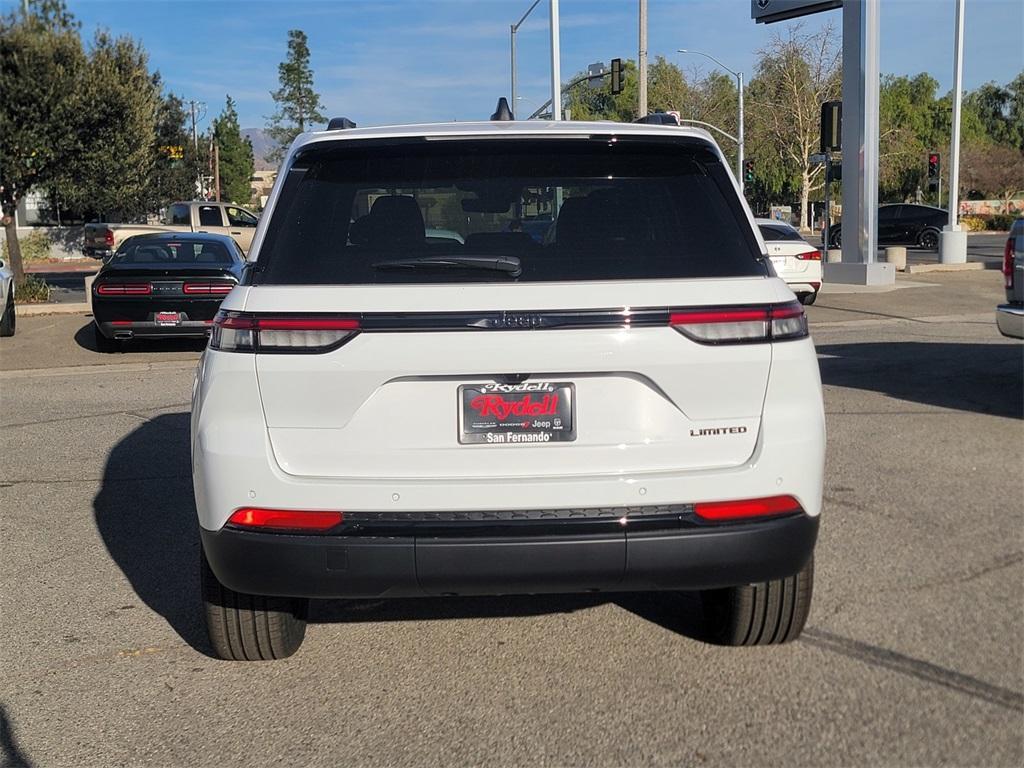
column 508, row 264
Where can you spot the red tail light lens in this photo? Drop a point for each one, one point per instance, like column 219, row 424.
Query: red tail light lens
column 721, row 511
column 207, row 289
column 255, row 518
column 124, row 289
column 237, row 332
column 809, row 256
column 738, row 325
column 108, row 237
column 1011, row 246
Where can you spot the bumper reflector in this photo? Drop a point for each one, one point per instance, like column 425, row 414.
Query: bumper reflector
column 747, row 508
column 255, row 518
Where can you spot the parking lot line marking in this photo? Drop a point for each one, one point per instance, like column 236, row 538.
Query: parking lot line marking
column 86, row 370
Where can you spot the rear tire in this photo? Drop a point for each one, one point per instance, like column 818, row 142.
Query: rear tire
column 929, row 240
column 807, row 298
column 251, row 627
column 767, row 613
column 103, row 343
column 9, row 323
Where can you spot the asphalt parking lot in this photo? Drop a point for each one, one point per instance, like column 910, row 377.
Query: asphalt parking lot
column 912, row 654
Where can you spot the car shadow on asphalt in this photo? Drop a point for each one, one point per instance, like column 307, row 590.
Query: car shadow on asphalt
column 145, row 514
column 980, row 378
column 85, row 337
column 11, row 755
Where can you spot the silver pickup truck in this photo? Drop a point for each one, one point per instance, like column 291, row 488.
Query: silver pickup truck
column 101, row 240
column 1010, row 316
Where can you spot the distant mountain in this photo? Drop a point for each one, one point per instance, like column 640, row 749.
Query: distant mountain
column 261, row 145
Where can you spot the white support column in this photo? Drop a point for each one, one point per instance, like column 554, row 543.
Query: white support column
column 953, row 242
column 860, row 263
column 556, row 68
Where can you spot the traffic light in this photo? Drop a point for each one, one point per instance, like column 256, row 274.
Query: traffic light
column 748, row 171
column 618, row 76
column 933, row 165
column 834, row 170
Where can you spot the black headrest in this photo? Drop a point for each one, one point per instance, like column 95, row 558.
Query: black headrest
column 397, row 218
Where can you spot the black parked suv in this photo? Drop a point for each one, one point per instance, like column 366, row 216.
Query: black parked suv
column 903, row 224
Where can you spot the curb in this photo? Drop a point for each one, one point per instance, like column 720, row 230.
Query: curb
column 970, row 266
column 36, row 310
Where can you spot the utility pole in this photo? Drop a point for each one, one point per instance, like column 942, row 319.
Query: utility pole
column 641, row 59
column 513, row 28
column 556, row 68
column 216, row 171
column 195, row 145
column 952, row 241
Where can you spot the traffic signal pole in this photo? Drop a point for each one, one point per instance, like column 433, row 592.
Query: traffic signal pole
column 952, row 241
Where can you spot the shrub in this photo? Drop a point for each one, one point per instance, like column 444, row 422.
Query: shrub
column 973, row 223
column 1000, row 222
column 34, row 247
column 33, row 291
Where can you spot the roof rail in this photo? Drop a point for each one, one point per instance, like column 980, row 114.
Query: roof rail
column 340, row 124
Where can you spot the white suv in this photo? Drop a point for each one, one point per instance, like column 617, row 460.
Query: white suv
column 602, row 387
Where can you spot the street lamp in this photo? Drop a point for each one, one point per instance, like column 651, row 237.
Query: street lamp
column 739, row 84
column 513, row 28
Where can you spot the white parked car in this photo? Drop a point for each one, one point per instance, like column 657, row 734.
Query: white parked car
column 8, row 314
column 634, row 404
column 795, row 260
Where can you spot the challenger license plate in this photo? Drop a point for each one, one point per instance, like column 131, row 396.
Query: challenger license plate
column 529, row 412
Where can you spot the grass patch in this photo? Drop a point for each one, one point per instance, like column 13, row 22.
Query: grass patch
column 33, row 291
column 34, row 247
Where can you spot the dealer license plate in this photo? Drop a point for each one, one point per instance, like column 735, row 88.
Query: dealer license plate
column 512, row 414
column 167, row 318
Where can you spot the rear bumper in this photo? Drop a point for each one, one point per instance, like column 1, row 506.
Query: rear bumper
column 1010, row 320
column 411, row 566
column 145, row 329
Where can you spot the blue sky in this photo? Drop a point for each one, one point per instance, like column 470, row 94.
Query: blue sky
column 390, row 61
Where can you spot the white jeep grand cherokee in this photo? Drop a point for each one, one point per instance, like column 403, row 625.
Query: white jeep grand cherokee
column 601, row 385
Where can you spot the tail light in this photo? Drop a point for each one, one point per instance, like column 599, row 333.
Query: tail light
column 108, row 237
column 1011, row 246
column 237, row 332
column 255, row 518
column 124, row 289
column 738, row 325
column 208, row 289
column 725, row 511
column 809, row 256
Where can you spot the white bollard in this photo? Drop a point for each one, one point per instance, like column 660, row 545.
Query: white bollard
column 897, row 256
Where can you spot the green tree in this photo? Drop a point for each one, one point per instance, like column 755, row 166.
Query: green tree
column 795, row 74
column 589, row 101
column 173, row 172
column 109, row 167
column 236, row 158
column 298, row 105
column 37, row 123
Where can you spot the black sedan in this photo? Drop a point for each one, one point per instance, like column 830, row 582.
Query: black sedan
column 903, row 224
column 163, row 284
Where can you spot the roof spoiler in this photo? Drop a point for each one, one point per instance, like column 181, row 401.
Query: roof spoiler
column 658, row 118
column 340, row 124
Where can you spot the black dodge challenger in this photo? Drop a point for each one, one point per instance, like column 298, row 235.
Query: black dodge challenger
column 162, row 285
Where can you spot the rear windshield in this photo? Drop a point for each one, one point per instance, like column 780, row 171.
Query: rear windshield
column 778, row 232
column 172, row 253
column 506, row 210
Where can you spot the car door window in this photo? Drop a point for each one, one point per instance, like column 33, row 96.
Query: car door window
column 889, row 212
column 239, row 218
column 178, row 215
column 209, row 216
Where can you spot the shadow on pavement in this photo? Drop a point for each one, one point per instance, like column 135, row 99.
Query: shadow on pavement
column 145, row 514
column 981, row 378
column 85, row 337
column 10, row 755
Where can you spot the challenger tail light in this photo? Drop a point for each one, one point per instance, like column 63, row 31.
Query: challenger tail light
column 124, row 289
column 208, row 289
column 738, row 325
column 237, row 332
column 258, row 519
column 1008, row 260
column 725, row 511
column 809, row 256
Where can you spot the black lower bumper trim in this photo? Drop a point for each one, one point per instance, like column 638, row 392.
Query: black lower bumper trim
column 410, row 566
